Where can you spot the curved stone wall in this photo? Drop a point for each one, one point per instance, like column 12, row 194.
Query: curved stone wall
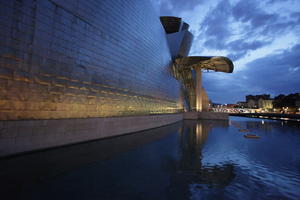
column 79, row 59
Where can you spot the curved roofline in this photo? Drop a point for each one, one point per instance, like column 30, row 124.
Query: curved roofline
column 228, row 61
column 171, row 17
column 215, row 63
column 173, row 24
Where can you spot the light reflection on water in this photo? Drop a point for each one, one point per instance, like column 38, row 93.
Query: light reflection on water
column 189, row 160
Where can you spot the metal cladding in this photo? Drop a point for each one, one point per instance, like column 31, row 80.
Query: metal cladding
column 178, row 36
column 171, row 24
column 182, row 70
column 79, row 59
column 215, row 63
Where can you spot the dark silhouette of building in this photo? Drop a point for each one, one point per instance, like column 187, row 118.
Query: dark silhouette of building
column 290, row 101
column 259, row 101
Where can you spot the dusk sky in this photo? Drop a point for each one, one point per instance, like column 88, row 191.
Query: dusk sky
column 261, row 37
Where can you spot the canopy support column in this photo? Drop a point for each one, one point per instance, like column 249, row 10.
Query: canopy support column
column 198, row 88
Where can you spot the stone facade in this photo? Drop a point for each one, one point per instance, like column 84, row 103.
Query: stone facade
column 259, row 101
column 265, row 103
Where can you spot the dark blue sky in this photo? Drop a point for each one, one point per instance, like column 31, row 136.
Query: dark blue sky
column 262, row 37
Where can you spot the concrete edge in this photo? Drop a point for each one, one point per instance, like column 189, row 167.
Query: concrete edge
column 26, row 136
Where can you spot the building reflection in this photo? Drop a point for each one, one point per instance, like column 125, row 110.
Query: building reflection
column 180, row 169
column 189, row 168
column 266, row 126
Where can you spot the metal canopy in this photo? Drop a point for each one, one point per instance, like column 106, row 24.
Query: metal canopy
column 215, row 63
column 183, row 70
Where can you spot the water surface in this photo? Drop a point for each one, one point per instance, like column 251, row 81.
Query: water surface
column 187, row 160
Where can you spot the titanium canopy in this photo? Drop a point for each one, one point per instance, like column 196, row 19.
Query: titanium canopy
column 187, row 69
column 215, row 63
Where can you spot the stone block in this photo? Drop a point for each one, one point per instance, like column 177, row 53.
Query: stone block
column 206, row 115
column 39, row 134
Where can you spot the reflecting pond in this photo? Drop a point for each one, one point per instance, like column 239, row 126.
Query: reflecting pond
column 187, row 160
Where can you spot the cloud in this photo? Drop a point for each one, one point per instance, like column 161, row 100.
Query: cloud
column 225, row 88
column 237, row 55
column 240, row 48
column 275, row 1
column 173, row 7
column 261, row 37
column 241, row 45
column 215, row 26
column 261, row 22
column 243, row 27
column 249, row 11
column 296, row 16
column 275, row 74
column 278, row 73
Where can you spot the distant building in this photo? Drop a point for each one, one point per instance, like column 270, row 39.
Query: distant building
column 297, row 103
column 242, row 104
column 265, row 103
column 251, row 103
column 259, row 101
column 216, row 105
column 290, row 102
column 256, row 97
column 231, row 105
